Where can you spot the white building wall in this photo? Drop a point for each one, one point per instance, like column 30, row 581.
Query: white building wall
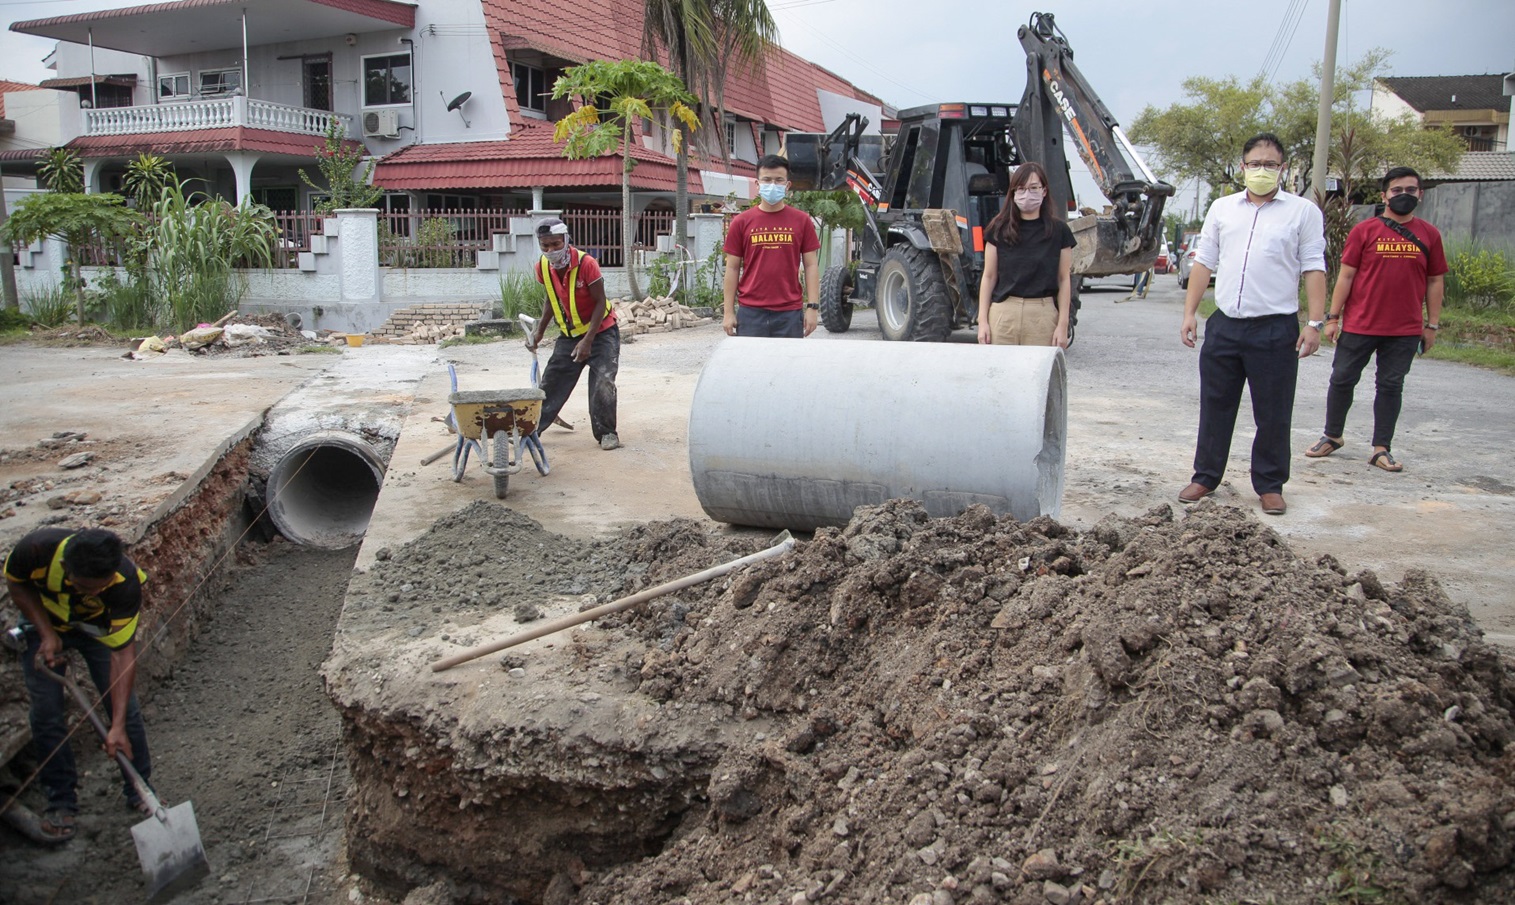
column 1387, row 103
column 44, row 119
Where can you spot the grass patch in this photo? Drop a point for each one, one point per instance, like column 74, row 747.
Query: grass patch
column 318, row 349
column 470, row 339
column 49, row 305
column 1353, row 882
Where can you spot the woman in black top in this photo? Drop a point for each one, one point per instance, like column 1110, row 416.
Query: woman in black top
column 1023, row 298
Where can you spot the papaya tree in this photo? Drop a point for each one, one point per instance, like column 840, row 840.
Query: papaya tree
column 615, row 94
column 76, row 219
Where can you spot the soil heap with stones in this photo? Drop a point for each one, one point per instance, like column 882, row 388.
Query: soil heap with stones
column 923, row 712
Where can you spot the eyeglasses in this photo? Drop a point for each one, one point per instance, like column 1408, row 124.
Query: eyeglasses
column 772, row 180
column 1256, row 165
column 1029, row 190
column 1405, row 190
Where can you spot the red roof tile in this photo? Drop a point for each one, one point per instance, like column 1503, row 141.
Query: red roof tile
column 383, row 10
column 529, row 157
column 781, row 92
column 232, row 138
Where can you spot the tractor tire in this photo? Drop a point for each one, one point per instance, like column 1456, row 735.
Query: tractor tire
column 1073, row 305
column 836, row 299
column 911, row 298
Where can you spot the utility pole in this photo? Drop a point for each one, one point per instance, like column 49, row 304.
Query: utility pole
column 1327, row 94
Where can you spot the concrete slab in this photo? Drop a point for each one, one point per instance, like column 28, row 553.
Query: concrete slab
column 153, row 427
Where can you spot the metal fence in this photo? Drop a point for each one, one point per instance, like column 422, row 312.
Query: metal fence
column 439, row 237
column 448, row 238
column 597, row 231
column 295, row 229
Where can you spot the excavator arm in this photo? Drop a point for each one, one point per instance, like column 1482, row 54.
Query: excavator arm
column 1057, row 105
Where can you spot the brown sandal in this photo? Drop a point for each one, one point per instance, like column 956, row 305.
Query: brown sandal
column 1382, row 459
column 1323, row 447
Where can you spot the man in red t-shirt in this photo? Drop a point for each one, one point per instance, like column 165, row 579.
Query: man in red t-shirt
column 1391, row 266
column 587, row 332
column 764, row 248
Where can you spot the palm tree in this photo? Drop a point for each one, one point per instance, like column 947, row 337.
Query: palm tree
column 682, row 27
column 702, row 38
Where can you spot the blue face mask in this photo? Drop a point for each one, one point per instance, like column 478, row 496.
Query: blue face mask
column 772, row 194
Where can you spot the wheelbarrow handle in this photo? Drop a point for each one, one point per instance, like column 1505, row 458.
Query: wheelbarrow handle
column 138, row 783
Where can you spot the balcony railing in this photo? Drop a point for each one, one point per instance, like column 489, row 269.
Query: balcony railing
column 209, row 114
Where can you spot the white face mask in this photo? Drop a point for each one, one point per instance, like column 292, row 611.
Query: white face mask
column 559, row 258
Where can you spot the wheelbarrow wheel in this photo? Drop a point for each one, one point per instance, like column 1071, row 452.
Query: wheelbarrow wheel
column 501, row 461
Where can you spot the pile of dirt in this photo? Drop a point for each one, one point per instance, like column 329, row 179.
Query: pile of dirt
column 974, row 709
column 924, row 711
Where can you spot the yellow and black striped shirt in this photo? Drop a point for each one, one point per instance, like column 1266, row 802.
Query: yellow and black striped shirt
column 111, row 616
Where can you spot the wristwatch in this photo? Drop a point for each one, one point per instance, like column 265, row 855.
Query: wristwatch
column 1316, row 324
column 1433, row 326
column 811, row 306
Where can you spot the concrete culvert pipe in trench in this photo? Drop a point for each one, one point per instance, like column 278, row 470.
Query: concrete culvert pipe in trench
column 322, row 491
column 787, row 433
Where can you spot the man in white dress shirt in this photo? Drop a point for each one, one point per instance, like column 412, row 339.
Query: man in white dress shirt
column 1258, row 243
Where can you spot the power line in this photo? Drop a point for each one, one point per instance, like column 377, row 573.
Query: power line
column 1280, row 61
column 1280, row 46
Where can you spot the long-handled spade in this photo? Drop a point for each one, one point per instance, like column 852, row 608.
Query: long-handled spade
column 168, row 842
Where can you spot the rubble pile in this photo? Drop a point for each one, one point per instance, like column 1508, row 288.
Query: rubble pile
column 657, row 315
column 929, row 712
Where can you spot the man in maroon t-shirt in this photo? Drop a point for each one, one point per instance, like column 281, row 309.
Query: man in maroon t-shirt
column 764, row 248
column 1391, row 266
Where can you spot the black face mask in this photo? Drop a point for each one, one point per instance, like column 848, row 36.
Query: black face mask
column 1403, row 204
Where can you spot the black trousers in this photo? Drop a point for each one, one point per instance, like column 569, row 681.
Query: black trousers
column 767, row 322
column 562, row 374
column 1395, row 355
column 1257, row 353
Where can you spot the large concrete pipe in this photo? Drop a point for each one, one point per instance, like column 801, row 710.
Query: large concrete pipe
column 787, row 433
column 322, row 491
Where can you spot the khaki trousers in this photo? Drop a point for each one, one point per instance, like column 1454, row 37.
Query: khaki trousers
column 1014, row 321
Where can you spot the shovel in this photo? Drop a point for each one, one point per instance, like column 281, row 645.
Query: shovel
column 168, row 843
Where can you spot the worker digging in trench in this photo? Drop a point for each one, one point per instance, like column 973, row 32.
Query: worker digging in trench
column 77, row 590
column 587, row 331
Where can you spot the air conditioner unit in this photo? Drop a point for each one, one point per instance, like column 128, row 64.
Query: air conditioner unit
column 381, row 124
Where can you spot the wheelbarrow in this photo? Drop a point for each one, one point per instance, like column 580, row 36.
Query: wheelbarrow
column 497, row 425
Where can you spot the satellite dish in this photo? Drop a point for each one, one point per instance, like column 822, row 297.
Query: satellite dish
column 459, row 101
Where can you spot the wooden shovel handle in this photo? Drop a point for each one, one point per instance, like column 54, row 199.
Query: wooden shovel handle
column 137, row 781
column 572, row 619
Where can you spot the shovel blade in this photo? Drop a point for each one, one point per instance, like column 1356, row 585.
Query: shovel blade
column 171, row 853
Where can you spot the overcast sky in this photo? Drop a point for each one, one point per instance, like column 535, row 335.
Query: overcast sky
column 912, row 52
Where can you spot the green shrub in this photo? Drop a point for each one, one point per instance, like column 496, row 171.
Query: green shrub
column 1480, row 278
column 49, row 305
column 126, row 306
column 660, row 276
column 520, row 293
column 13, row 321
